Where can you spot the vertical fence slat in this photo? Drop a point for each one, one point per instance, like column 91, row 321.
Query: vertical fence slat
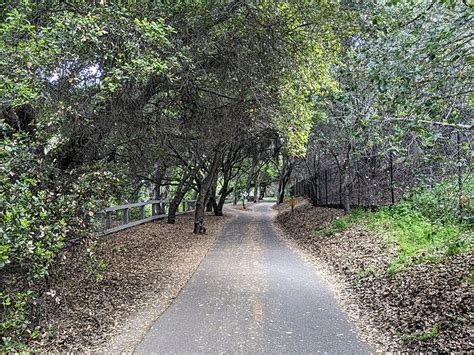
column 108, row 219
column 125, row 216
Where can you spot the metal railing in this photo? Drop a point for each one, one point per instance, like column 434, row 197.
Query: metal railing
column 159, row 210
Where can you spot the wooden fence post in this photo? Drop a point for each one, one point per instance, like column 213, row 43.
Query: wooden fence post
column 125, row 216
column 142, row 212
column 108, row 219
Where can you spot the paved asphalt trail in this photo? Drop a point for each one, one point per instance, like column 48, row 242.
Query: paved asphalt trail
column 252, row 294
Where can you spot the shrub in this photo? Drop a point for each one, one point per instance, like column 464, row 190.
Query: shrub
column 42, row 209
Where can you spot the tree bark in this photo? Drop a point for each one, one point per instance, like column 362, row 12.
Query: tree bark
column 203, row 191
column 223, row 195
column 157, row 195
column 250, row 176
column 256, row 188
column 284, row 178
column 183, row 187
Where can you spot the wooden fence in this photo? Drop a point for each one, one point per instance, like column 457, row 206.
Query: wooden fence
column 159, row 210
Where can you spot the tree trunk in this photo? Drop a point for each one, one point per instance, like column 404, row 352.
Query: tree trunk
column 211, row 198
column 281, row 191
column 182, row 188
column 284, row 178
column 173, row 209
column 346, row 203
column 157, row 195
column 223, row 195
column 203, row 191
column 236, row 198
column 256, row 188
column 250, row 175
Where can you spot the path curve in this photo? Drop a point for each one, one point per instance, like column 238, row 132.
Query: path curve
column 250, row 294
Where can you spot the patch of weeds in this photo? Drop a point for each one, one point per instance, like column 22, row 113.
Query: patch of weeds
column 340, row 224
column 36, row 333
column 12, row 346
column 52, row 331
column 417, row 238
column 425, row 336
column 365, row 271
column 470, row 277
column 419, row 232
column 96, row 266
column 119, row 249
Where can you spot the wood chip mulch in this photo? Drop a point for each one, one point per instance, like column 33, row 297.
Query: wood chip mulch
column 89, row 309
column 393, row 312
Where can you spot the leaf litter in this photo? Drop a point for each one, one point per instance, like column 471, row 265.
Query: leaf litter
column 425, row 308
column 112, row 289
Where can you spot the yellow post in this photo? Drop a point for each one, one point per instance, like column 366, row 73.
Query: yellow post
column 292, row 202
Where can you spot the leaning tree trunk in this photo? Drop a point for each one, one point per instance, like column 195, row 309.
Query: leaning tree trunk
column 211, row 197
column 256, row 188
column 157, row 194
column 284, row 178
column 203, row 191
column 281, row 191
column 223, row 195
column 183, row 187
column 250, row 176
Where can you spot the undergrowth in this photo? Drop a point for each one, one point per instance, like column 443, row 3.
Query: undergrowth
column 425, row 336
column 420, row 231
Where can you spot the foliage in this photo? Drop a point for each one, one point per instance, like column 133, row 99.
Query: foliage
column 96, row 266
column 41, row 211
column 15, row 319
column 404, row 91
column 424, row 336
column 32, row 225
column 418, row 231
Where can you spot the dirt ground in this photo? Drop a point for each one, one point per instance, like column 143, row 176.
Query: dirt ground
column 426, row 308
column 112, row 290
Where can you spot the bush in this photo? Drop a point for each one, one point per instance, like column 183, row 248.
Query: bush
column 441, row 201
column 42, row 209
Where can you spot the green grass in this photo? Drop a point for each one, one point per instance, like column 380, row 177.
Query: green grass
column 417, row 237
column 433, row 333
column 418, row 234
column 366, row 271
column 340, row 224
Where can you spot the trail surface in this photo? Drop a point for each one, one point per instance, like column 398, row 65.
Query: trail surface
column 252, row 294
